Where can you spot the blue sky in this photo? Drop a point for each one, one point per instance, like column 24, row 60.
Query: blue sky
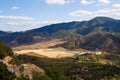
column 21, row 15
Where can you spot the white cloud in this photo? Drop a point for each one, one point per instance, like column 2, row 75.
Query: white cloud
column 59, row 2
column 24, row 25
column 105, row 1
column 114, row 13
column 16, row 17
column 116, row 5
column 86, row 2
column 15, row 7
column 80, row 13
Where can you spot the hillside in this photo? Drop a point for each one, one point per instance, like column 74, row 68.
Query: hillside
column 3, row 33
column 102, row 41
column 93, row 34
column 76, row 67
column 12, row 69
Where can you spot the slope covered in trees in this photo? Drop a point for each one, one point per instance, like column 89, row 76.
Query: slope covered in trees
column 5, row 50
column 86, row 67
column 5, row 74
column 8, row 70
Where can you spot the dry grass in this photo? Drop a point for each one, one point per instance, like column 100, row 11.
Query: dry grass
column 42, row 49
column 49, row 52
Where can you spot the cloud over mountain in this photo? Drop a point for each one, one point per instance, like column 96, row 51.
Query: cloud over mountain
column 114, row 13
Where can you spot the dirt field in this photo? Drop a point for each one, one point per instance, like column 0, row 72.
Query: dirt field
column 42, row 49
column 49, row 52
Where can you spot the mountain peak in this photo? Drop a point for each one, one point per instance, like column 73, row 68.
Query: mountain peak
column 102, row 18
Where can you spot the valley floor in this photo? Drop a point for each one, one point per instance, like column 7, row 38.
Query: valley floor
column 48, row 52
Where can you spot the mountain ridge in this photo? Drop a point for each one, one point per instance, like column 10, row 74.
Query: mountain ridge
column 3, row 33
column 85, row 34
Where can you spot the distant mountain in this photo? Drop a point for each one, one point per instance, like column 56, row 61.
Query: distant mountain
column 35, row 35
column 3, row 33
column 101, row 33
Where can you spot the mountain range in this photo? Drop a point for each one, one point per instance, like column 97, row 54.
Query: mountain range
column 3, row 33
column 101, row 33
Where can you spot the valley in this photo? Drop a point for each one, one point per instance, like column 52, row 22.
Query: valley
column 73, row 35
column 49, row 53
column 60, row 40
column 64, row 51
column 43, row 49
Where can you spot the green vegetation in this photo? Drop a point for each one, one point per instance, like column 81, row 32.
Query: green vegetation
column 106, row 42
column 5, row 50
column 38, row 76
column 5, row 74
column 23, row 77
column 86, row 67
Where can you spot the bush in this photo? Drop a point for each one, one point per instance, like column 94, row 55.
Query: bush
column 5, row 74
column 5, row 50
column 38, row 76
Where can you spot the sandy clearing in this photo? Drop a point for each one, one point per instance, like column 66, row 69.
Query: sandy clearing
column 42, row 49
column 50, row 53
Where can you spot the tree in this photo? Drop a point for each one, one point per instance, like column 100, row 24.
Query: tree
column 5, row 50
column 56, row 74
column 5, row 74
column 38, row 76
column 23, row 77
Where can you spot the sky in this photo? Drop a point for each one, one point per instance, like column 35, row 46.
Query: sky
column 21, row 15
